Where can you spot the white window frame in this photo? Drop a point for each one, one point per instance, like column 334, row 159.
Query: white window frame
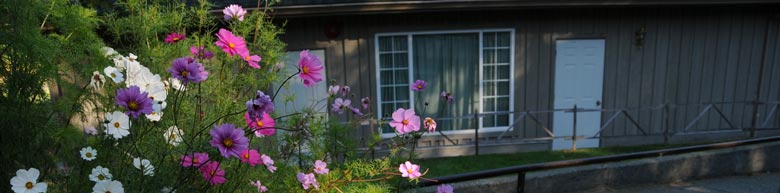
column 410, row 50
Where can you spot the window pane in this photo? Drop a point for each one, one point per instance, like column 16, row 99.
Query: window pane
column 401, row 77
column 489, row 121
column 388, row 94
column 488, row 89
column 489, row 39
column 385, row 60
column 503, row 87
column 385, row 43
column 503, row 72
column 502, row 104
column 401, row 60
column 400, row 43
column 489, row 56
column 386, row 77
column 388, row 109
column 402, row 93
column 502, row 56
column 488, row 105
column 502, row 120
column 503, row 39
column 488, row 72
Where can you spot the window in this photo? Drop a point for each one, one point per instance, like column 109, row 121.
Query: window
column 475, row 66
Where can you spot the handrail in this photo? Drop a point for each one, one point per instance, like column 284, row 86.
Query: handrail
column 522, row 169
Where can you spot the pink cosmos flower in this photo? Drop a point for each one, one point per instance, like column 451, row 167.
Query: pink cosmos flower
column 213, row 173
column 339, row 105
column 345, row 90
column 251, row 60
column 231, row 44
column 412, row 171
column 268, row 162
column 90, row 130
column 201, row 52
column 333, row 89
column 234, row 11
column 429, row 124
column 174, row 37
column 419, row 85
column 320, row 167
column 405, row 121
column 260, row 187
column 446, row 96
column 310, row 68
column 356, row 111
column 251, row 157
column 307, row 180
column 262, row 126
column 444, row 188
column 365, row 102
column 195, row 159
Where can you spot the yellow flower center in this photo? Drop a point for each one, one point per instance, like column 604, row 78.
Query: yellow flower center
column 89, row 154
column 319, row 169
column 28, row 185
column 113, row 75
column 405, row 122
column 172, row 136
column 260, row 124
column 195, row 160
column 184, row 73
column 246, row 156
column 247, row 58
column 132, row 105
column 176, row 39
column 231, row 45
column 409, row 171
column 227, row 142
column 419, row 86
column 153, row 113
column 116, row 124
column 101, row 177
column 305, row 70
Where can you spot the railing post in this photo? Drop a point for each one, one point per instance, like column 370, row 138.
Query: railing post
column 665, row 124
column 476, row 131
column 574, row 130
column 521, row 182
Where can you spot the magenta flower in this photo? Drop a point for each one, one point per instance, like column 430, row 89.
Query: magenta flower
column 339, row 105
column 201, row 52
column 195, row 159
column 405, row 121
column 135, row 101
column 310, row 68
column 307, row 180
column 261, row 103
column 419, row 85
column 230, row 43
column 188, row 70
column 333, row 89
column 356, row 111
column 365, row 102
column 213, row 173
column 412, row 171
column 320, row 167
column 174, row 37
column 252, row 60
column 229, row 140
column 262, row 126
column 251, row 157
column 268, row 162
column 444, row 188
column 234, row 11
column 429, row 124
column 446, row 96
column 345, row 90
column 260, row 187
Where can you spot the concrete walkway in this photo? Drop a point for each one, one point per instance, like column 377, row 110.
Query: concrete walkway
column 760, row 183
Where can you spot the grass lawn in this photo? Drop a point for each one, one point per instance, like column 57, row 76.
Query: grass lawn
column 455, row 165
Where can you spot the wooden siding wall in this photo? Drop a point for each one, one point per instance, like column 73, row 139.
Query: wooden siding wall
column 690, row 56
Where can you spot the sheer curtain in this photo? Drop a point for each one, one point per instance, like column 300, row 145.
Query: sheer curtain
column 448, row 62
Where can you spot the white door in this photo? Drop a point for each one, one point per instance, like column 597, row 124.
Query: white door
column 579, row 74
column 294, row 97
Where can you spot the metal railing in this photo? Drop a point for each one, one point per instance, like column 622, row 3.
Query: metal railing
column 521, row 170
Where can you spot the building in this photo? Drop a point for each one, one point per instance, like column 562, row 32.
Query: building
column 644, row 71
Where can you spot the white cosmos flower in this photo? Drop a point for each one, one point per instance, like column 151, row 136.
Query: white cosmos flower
column 88, row 153
column 144, row 165
column 155, row 116
column 120, row 62
column 159, row 105
column 109, row 186
column 157, row 92
column 108, row 52
column 26, row 181
column 114, row 74
column 100, row 174
column 134, row 72
column 117, row 124
column 175, row 84
column 97, row 80
column 173, row 135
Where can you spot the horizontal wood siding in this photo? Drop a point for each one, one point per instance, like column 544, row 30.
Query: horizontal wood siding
column 689, row 57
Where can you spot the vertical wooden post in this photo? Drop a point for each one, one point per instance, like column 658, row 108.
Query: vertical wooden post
column 476, row 131
column 665, row 124
column 574, row 130
column 521, row 182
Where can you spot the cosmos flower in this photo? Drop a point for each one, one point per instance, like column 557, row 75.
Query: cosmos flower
column 229, row 140
column 175, row 84
column 345, row 90
column 231, row 44
column 234, row 11
column 333, row 89
column 97, row 80
column 412, row 171
column 144, row 165
column 114, row 74
column 429, row 124
column 135, row 101
column 355, row 111
column 194, row 159
column 446, row 96
column 174, row 37
column 213, row 173
column 268, row 162
column 365, row 102
column 261, row 103
column 339, row 105
column 251, row 157
column 320, row 167
column 310, row 68
column 405, row 121
column 188, row 70
column 307, row 180
column 173, row 135
column 252, row 60
column 260, row 187
column 90, row 130
column 88, row 153
column 117, row 124
column 155, row 116
column 201, row 52
column 26, row 181
column 263, row 125
column 419, row 85
column 100, row 174
column 108, row 186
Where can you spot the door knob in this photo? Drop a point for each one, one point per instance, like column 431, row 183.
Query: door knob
column 598, row 103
